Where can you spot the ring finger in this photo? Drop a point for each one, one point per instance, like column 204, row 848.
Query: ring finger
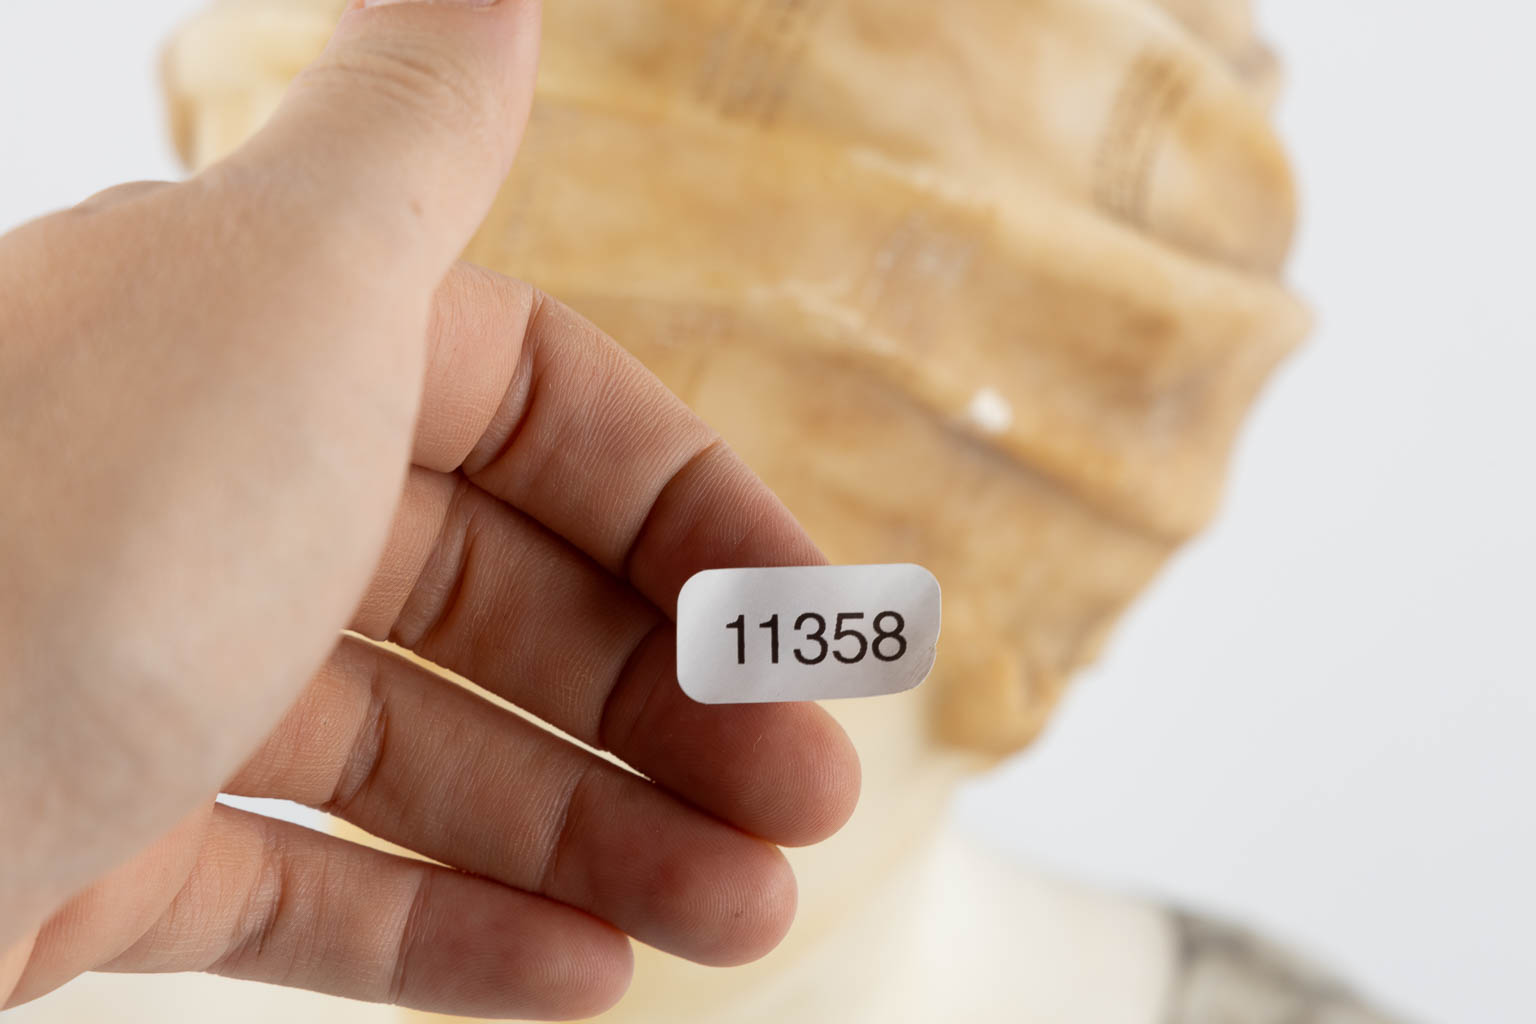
column 430, row 766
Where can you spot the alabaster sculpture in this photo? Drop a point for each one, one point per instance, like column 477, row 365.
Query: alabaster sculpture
column 987, row 285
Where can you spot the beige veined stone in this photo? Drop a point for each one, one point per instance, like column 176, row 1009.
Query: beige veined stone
column 986, row 285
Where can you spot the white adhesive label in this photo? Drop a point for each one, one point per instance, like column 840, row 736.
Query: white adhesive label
column 755, row 636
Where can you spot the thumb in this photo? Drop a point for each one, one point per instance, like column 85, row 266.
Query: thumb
column 395, row 141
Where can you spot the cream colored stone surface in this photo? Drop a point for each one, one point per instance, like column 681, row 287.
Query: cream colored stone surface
column 840, row 229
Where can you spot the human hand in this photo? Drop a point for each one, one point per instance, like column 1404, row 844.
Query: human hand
column 245, row 412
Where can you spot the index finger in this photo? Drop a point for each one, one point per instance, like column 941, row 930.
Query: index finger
column 541, row 409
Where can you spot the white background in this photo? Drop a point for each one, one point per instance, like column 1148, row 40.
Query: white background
column 1323, row 718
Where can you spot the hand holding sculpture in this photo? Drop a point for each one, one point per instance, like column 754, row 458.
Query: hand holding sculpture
column 240, row 414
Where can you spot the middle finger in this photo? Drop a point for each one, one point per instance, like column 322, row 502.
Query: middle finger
column 476, row 586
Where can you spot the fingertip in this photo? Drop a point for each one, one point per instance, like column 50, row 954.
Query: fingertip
column 714, row 513
column 719, row 898
column 784, row 772
column 780, row 901
column 827, row 783
column 758, row 905
column 523, row 956
column 589, row 977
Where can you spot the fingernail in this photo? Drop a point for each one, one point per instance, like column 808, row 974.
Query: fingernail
column 448, row 3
